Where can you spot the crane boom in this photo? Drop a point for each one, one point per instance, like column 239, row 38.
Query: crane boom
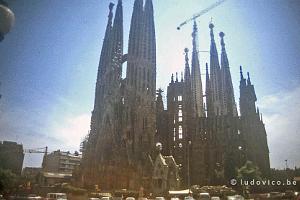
column 202, row 12
column 37, row 150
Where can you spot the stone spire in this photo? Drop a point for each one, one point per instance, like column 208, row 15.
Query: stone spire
column 150, row 46
column 135, row 33
column 100, row 92
column 196, row 81
column 187, row 80
column 187, row 74
column 227, row 92
column 209, row 108
column 117, row 45
column 248, row 79
column 247, row 96
column 105, row 57
column 135, row 45
column 141, row 80
column 214, row 74
column 150, row 31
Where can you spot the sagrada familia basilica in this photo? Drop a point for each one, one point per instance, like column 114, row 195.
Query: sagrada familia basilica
column 203, row 135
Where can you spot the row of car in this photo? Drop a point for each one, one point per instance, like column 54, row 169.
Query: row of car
column 201, row 196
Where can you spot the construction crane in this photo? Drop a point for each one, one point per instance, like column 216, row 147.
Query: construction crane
column 43, row 150
column 37, row 150
column 202, row 12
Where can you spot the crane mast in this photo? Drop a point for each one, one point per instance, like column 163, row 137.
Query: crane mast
column 202, row 12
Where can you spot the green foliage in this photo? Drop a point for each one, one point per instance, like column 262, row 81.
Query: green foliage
column 8, row 180
column 249, row 172
column 66, row 188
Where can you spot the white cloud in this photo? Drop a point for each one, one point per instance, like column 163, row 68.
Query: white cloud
column 281, row 117
column 71, row 130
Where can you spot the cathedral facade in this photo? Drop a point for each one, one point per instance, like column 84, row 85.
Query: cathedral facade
column 200, row 129
column 205, row 133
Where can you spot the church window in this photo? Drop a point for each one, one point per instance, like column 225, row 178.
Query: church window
column 123, row 100
column 180, row 145
column 180, row 119
column 180, row 113
column 179, row 98
column 174, row 134
column 180, row 132
column 239, row 132
column 180, row 106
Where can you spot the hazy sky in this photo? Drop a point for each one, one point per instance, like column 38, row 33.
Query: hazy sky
column 48, row 65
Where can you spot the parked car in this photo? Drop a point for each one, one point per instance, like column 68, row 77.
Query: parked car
column 189, row 198
column 215, row 198
column 159, row 198
column 130, row 198
column 54, row 196
column 106, row 198
column 276, row 195
column 142, row 198
column 204, row 196
column 239, row 197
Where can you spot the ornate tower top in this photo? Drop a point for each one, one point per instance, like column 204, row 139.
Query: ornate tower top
column 187, row 66
column 227, row 92
column 241, row 73
column 211, row 27
column 248, row 79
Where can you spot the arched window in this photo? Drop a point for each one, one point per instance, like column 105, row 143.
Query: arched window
column 179, row 113
column 180, row 132
column 179, row 98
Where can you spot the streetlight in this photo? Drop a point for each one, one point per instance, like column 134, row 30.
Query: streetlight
column 188, row 151
column 7, row 19
column 240, row 148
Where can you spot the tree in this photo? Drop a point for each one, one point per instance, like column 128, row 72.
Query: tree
column 8, row 180
column 248, row 172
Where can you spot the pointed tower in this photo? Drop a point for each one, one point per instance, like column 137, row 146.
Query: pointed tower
column 99, row 92
column 254, row 129
column 150, row 50
column 196, row 81
column 247, row 96
column 188, row 94
column 209, row 107
column 227, row 93
column 214, row 75
column 134, row 44
column 105, row 97
column 104, row 58
column 117, row 45
column 140, row 92
column 187, row 73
